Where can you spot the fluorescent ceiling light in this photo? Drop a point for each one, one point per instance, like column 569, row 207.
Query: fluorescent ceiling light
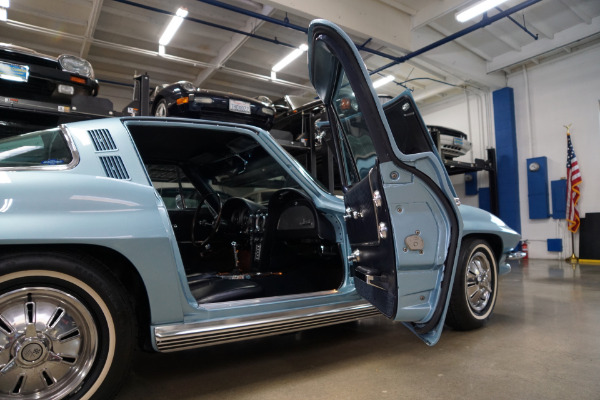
column 5, row 3
column 383, row 81
column 3, row 14
column 173, row 26
column 161, row 49
column 289, row 58
column 477, row 9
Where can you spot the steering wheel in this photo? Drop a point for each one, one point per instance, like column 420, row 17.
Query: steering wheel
column 214, row 225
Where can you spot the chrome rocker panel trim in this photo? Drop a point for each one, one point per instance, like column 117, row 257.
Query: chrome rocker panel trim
column 169, row 338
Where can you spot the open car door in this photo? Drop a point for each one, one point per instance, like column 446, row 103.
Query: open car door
column 401, row 215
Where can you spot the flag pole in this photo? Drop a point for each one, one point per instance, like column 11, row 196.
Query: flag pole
column 573, row 259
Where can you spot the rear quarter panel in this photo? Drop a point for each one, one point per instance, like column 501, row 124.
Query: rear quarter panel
column 84, row 206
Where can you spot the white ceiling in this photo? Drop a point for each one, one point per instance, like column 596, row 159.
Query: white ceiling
column 120, row 39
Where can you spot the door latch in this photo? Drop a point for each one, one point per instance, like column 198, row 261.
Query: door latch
column 352, row 214
column 377, row 198
column 355, row 256
column 383, row 230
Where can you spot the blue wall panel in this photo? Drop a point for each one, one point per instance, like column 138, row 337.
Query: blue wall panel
column 555, row 245
column 559, row 198
column 537, row 187
column 507, row 161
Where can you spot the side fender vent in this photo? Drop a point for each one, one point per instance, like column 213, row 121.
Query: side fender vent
column 102, row 139
column 114, row 167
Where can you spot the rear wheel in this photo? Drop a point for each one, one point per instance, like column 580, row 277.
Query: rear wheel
column 66, row 329
column 475, row 286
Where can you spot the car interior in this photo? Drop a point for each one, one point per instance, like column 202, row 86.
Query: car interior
column 244, row 227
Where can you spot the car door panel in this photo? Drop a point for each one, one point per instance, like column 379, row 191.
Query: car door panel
column 404, row 238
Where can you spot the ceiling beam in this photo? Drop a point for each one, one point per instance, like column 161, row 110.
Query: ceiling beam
column 542, row 46
column 580, row 14
column 499, row 35
column 91, row 27
column 58, row 20
column 368, row 19
column 400, row 6
column 437, row 27
column 435, row 10
column 136, row 68
column 464, row 66
column 237, row 40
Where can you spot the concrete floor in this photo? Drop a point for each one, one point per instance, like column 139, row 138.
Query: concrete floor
column 543, row 342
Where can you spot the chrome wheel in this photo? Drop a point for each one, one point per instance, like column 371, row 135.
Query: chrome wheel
column 478, row 283
column 161, row 109
column 475, row 286
column 48, row 343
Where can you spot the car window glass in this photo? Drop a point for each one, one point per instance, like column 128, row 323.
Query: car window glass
column 410, row 135
column 43, row 148
column 174, row 187
column 251, row 173
column 358, row 145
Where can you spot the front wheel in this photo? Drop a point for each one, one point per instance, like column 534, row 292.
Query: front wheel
column 65, row 329
column 161, row 109
column 475, row 286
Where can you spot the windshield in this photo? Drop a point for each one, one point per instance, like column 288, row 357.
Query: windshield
column 251, row 173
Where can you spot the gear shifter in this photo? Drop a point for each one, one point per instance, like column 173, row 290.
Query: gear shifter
column 236, row 269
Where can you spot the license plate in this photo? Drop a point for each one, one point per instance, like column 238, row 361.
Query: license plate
column 239, row 106
column 458, row 141
column 14, row 72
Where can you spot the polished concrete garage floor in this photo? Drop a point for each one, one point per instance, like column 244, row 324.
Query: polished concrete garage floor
column 543, row 342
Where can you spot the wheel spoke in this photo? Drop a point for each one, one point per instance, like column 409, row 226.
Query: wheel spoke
column 10, row 366
column 5, row 326
column 475, row 297
column 30, row 314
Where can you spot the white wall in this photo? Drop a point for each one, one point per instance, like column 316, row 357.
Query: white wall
column 548, row 96
column 565, row 90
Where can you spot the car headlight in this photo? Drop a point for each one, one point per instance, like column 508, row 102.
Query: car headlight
column 265, row 100
column 76, row 65
column 189, row 86
column 268, row 111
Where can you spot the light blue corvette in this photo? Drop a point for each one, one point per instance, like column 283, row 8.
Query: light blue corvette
column 173, row 234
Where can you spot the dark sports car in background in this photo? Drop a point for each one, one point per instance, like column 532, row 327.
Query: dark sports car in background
column 27, row 74
column 183, row 99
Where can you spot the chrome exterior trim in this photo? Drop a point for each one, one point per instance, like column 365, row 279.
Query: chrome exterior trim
column 169, row 338
column 516, row 255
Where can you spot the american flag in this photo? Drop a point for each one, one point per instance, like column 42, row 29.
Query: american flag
column 573, row 182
